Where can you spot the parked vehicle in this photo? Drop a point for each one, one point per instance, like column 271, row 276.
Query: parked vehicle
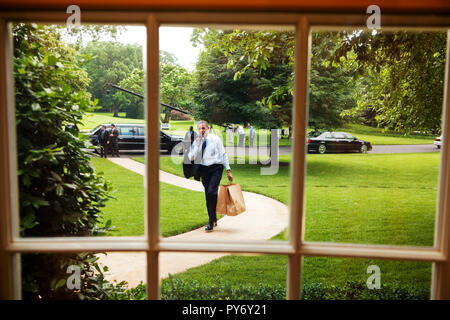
column 132, row 138
column 324, row 142
column 438, row 142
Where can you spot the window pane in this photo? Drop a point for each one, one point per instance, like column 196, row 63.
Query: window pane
column 210, row 276
column 71, row 276
column 385, row 89
column 364, row 279
column 67, row 86
column 241, row 97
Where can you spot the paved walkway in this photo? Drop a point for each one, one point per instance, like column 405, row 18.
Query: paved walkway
column 264, row 218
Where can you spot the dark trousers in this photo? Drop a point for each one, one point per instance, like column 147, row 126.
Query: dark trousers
column 103, row 150
column 114, row 145
column 211, row 176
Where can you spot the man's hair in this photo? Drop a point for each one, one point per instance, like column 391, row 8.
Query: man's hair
column 201, row 122
column 113, row 125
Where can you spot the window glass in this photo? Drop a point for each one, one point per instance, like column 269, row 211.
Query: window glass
column 218, row 276
column 84, row 276
column 383, row 188
column 205, row 74
column 66, row 186
column 325, row 278
column 127, row 131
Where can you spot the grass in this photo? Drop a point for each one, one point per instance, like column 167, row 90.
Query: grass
column 92, row 120
column 181, row 210
column 376, row 136
column 351, row 198
column 177, row 127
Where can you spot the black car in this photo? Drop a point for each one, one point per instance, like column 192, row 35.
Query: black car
column 132, row 138
column 323, row 142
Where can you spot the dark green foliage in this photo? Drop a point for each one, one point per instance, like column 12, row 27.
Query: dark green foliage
column 359, row 291
column 177, row 289
column 175, row 86
column 111, row 62
column 401, row 77
column 222, row 97
column 262, row 63
column 132, row 105
column 59, row 191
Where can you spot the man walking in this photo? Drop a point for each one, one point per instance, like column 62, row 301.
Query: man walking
column 208, row 152
column 251, row 134
column 102, row 140
column 113, row 137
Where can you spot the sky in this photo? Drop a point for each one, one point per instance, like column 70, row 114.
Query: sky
column 175, row 40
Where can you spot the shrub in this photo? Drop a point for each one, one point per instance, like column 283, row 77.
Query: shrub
column 177, row 115
column 60, row 192
column 174, row 288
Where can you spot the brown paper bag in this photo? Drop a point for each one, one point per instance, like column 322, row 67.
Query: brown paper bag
column 230, row 200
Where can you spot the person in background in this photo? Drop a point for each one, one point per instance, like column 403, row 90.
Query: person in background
column 189, row 139
column 241, row 133
column 229, row 130
column 102, row 139
column 209, row 153
column 252, row 134
column 114, row 144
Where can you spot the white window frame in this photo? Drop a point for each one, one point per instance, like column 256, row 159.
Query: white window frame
column 11, row 245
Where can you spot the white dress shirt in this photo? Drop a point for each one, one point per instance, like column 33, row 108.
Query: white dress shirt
column 214, row 152
column 241, row 130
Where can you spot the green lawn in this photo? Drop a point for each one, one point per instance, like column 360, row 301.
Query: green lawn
column 359, row 198
column 93, row 120
column 127, row 210
column 376, row 136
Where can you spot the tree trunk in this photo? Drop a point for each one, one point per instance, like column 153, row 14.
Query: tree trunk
column 167, row 115
column 116, row 109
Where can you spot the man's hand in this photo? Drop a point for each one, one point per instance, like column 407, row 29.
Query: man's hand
column 229, row 176
column 199, row 140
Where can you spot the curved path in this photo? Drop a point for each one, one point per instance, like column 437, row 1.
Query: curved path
column 264, row 218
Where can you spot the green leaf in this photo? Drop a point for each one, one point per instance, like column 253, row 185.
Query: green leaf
column 35, row 106
column 52, row 60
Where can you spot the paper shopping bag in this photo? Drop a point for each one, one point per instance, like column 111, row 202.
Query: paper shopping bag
column 230, row 200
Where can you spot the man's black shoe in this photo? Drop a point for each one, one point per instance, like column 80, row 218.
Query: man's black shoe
column 209, row 227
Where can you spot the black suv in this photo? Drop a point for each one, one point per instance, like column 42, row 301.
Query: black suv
column 132, row 138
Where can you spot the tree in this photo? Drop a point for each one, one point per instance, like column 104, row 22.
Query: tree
column 222, row 97
column 132, row 105
column 175, row 85
column 60, row 192
column 401, row 77
column 110, row 62
column 265, row 52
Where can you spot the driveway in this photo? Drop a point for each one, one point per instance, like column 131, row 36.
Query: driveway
column 404, row 148
column 286, row 150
